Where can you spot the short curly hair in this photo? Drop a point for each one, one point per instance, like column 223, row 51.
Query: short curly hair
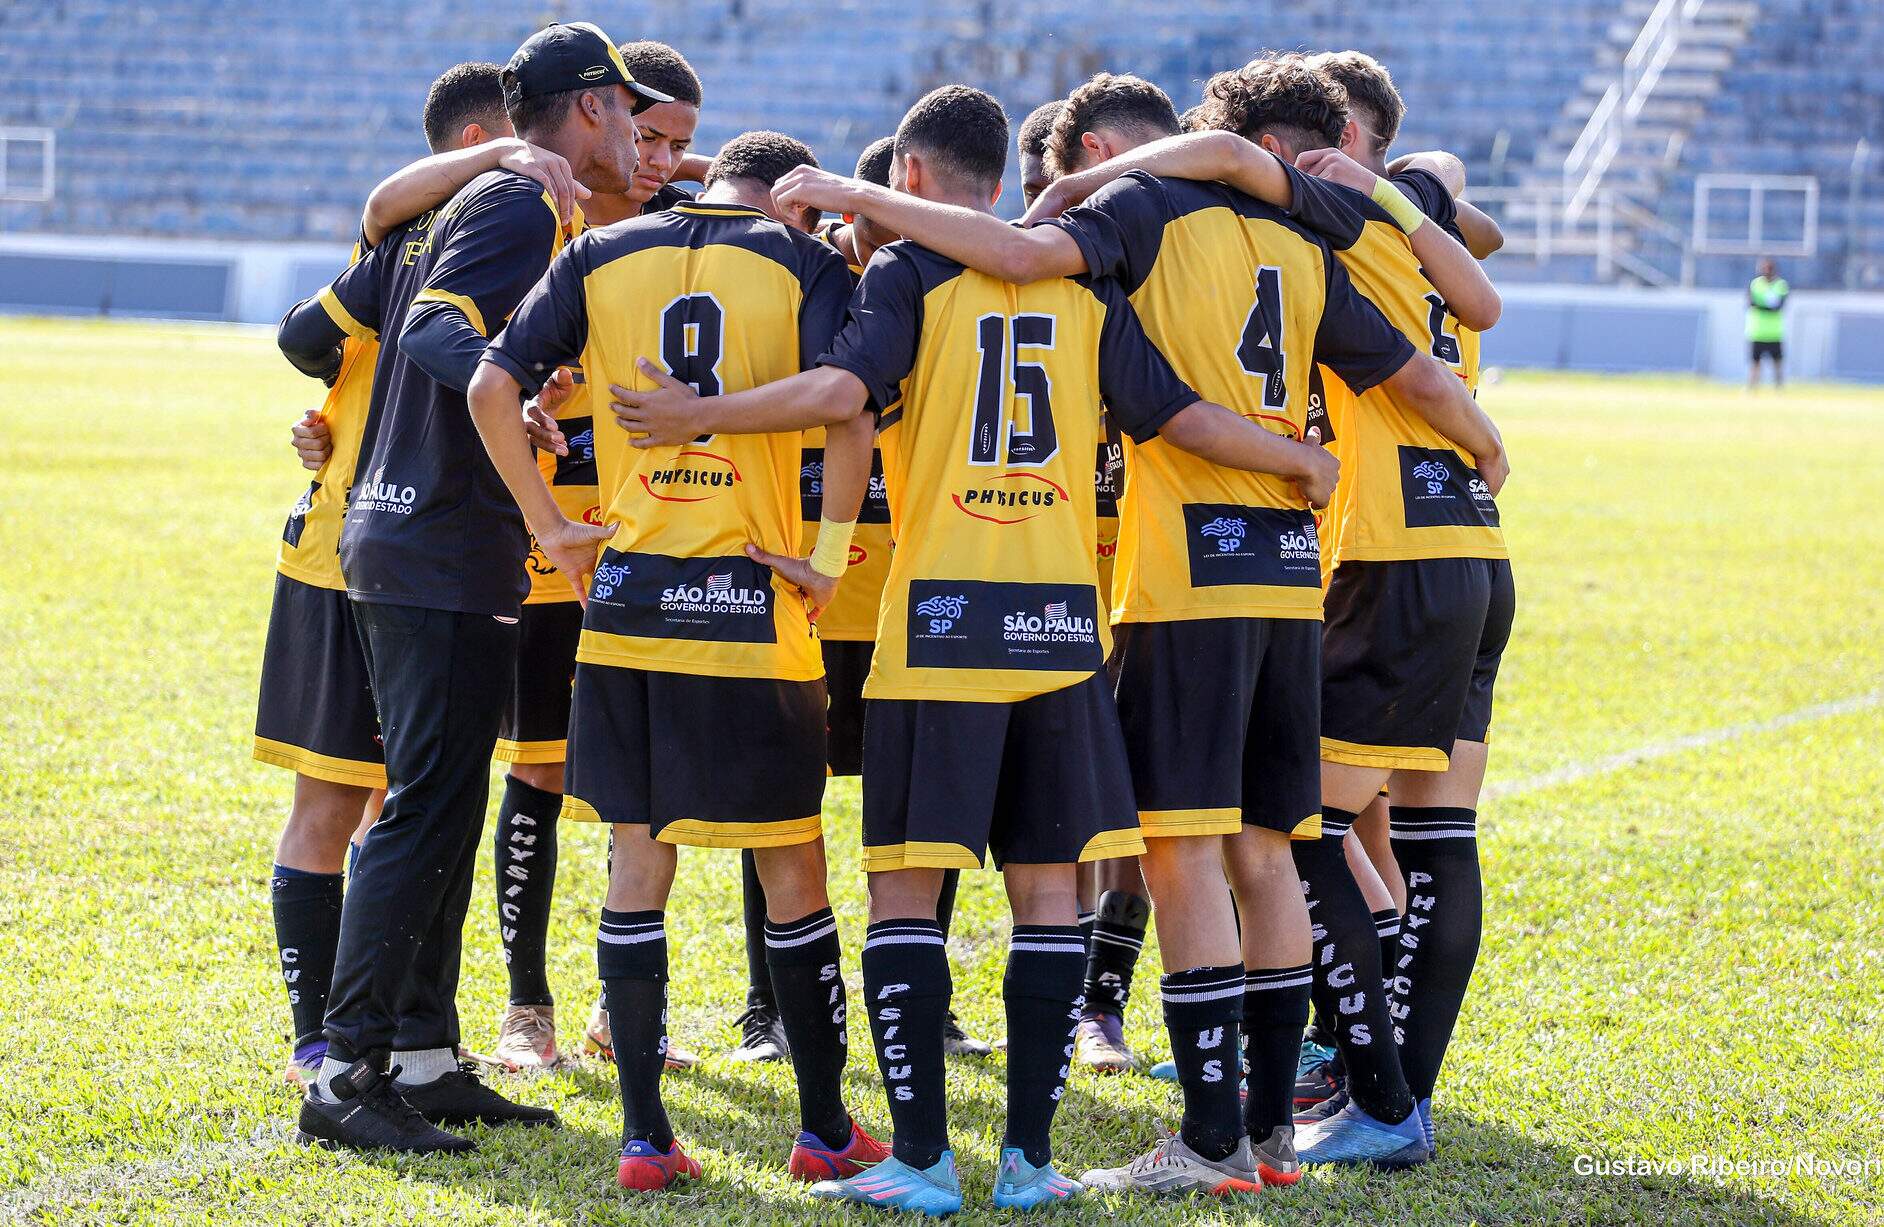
column 873, row 164
column 1038, row 127
column 963, row 129
column 1371, row 92
column 463, row 94
column 1110, row 100
column 764, row 157
column 1280, row 95
column 659, row 66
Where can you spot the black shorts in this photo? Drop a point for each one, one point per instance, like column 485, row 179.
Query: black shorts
column 316, row 713
column 1039, row 782
column 846, row 664
column 1410, row 654
column 535, row 724
column 1222, row 720
column 717, row 762
column 1776, row 350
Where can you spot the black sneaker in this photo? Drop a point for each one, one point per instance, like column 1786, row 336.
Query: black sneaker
column 367, row 1112
column 461, row 1098
column 958, row 1043
column 761, row 1033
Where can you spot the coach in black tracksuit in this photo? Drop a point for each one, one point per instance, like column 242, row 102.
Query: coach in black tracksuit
column 433, row 554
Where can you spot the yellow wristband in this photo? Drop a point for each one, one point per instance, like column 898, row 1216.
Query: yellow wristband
column 831, row 555
column 1404, row 212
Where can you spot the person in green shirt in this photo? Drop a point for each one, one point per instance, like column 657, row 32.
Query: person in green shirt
column 1766, row 326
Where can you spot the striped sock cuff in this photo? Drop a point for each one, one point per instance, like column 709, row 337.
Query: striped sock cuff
column 1387, row 923
column 1045, row 961
column 1047, row 939
column 1106, row 935
column 1201, row 984
column 1274, row 979
column 809, row 939
column 903, row 933
column 631, row 945
column 1435, row 822
column 1336, row 823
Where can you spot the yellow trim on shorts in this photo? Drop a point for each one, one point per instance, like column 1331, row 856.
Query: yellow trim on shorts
column 575, row 809
column 700, row 833
column 1174, row 823
column 1307, row 828
column 531, row 753
column 465, row 306
column 343, row 318
column 302, row 761
column 1109, row 844
column 1397, row 758
column 919, row 854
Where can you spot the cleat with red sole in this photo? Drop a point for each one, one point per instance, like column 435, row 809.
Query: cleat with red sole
column 1276, row 1161
column 813, row 1161
column 648, row 1170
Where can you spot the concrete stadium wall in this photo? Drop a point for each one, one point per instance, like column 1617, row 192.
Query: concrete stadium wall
column 1557, row 327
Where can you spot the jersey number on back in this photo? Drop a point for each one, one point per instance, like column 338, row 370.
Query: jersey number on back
column 1261, row 349
column 1033, row 441
column 1445, row 345
column 693, row 339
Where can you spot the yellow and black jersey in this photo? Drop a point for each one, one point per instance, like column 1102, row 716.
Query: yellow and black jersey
column 851, row 617
column 571, row 479
column 725, row 299
column 1406, row 491
column 1244, row 300
column 989, row 401
column 1108, row 483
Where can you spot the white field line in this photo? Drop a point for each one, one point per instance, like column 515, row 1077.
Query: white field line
column 1678, row 745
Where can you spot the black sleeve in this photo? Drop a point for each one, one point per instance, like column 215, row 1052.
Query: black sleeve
column 826, row 284
column 1424, row 189
column 1354, row 339
column 440, row 340
column 311, row 333
column 493, row 251
column 1141, row 390
column 877, row 343
column 1339, row 214
column 1120, row 229
column 550, row 327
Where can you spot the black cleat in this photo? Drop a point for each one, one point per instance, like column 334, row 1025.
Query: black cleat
column 761, row 1033
column 461, row 1098
column 368, row 1113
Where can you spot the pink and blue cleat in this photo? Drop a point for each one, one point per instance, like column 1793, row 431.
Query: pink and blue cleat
column 894, row 1185
column 1022, row 1186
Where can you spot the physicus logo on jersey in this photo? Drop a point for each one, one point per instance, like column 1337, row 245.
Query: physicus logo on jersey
column 382, row 495
column 1013, row 497
column 1439, row 489
column 1270, row 546
column 693, row 476
column 976, row 624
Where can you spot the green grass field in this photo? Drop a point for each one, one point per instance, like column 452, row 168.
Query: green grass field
column 1684, row 954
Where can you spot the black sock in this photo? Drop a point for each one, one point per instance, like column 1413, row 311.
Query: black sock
column 1348, row 974
column 907, row 990
column 1387, row 929
column 631, row 955
column 945, row 900
column 803, row 955
column 307, row 931
column 1275, row 1009
column 1118, row 935
column 1445, row 907
column 758, row 971
column 1042, row 994
column 1086, row 922
column 525, row 848
column 1203, row 1011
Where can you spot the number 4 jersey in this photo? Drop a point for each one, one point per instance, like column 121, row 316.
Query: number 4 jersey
column 726, row 299
column 988, row 396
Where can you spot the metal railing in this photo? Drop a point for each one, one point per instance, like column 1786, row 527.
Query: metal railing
column 1618, row 233
column 1754, row 239
column 39, row 189
column 1615, row 113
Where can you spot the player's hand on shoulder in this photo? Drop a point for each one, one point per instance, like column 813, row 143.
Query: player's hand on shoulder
column 573, row 546
column 1321, row 471
column 816, row 587
column 550, row 171
column 1337, row 167
column 313, row 443
column 665, row 415
column 807, row 187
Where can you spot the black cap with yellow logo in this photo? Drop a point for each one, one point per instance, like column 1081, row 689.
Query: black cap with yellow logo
column 570, row 55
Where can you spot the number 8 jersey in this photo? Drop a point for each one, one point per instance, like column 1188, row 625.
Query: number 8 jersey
column 988, row 395
column 726, row 299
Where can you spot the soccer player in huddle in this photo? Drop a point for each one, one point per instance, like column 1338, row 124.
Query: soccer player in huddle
column 699, row 700
column 1420, row 593
column 1218, row 582
column 315, row 714
column 433, row 552
column 846, row 631
column 990, row 721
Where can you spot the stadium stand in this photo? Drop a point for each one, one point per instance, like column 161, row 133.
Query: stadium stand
column 216, row 119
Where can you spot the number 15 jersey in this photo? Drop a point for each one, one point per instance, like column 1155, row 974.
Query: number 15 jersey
column 988, row 395
column 725, row 299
